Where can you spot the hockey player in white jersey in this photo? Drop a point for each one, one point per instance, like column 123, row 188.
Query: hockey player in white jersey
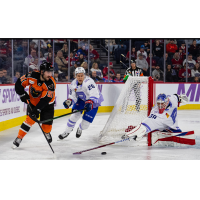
column 84, row 94
column 163, row 117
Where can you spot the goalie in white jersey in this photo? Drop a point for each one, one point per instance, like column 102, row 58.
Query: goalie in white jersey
column 84, row 94
column 163, row 117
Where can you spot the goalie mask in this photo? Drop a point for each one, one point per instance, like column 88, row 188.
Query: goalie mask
column 162, row 102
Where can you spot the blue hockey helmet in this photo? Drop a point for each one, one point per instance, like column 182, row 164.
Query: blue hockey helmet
column 162, row 102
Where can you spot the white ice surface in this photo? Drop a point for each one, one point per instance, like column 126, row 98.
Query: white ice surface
column 35, row 147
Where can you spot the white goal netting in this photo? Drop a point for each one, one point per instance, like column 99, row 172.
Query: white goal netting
column 130, row 109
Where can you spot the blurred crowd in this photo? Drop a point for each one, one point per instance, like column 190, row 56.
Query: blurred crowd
column 22, row 56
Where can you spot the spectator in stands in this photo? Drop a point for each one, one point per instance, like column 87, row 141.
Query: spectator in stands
column 72, row 59
column 118, row 78
column 95, row 67
column 142, row 63
column 171, row 75
column 168, row 41
column 94, row 56
column 158, row 49
column 1, row 76
column 33, row 66
column 32, row 46
column 5, row 78
column 95, row 77
column 141, row 51
column 177, row 62
column 105, row 78
column 56, row 76
column 4, row 51
column 30, row 58
column 113, row 45
column 72, row 69
column 196, row 70
column 157, row 74
column 153, row 61
column 17, row 75
column 133, row 54
column 111, row 71
column 194, row 49
column 81, row 51
column 198, row 59
column 161, row 61
column 191, row 62
column 196, row 79
column 42, row 58
column 62, row 63
column 85, row 66
column 50, row 58
column 181, row 54
column 147, row 47
column 171, row 48
column 183, row 48
column 65, row 50
column 153, row 64
column 182, row 74
column 81, row 58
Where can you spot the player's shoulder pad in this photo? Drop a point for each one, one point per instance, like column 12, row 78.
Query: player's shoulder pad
column 88, row 81
column 50, row 84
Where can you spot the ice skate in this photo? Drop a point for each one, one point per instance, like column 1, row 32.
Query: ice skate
column 78, row 132
column 16, row 143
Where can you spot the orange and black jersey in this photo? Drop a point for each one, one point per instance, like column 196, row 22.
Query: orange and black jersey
column 134, row 72
column 41, row 93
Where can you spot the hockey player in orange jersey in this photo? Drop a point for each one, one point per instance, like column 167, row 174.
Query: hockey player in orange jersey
column 41, row 97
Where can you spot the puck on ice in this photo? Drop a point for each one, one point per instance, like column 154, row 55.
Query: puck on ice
column 103, row 153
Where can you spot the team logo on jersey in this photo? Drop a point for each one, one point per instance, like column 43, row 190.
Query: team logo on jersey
column 31, row 82
column 75, row 89
column 50, row 86
column 39, row 84
column 167, row 115
column 35, row 93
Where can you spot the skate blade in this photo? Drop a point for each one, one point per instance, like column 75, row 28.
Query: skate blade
column 14, row 147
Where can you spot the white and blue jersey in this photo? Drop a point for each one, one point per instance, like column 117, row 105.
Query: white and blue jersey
column 88, row 90
column 81, row 93
column 166, row 120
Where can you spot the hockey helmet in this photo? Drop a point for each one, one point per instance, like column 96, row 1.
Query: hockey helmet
column 46, row 66
column 162, row 102
column 79, row 70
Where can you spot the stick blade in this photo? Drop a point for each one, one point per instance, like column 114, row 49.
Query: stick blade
column 76, row 153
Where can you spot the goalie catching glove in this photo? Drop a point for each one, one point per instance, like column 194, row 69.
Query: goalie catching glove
column 67, row 103
column 88, row 105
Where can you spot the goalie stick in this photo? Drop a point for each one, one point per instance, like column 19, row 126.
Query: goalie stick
column 80, row 152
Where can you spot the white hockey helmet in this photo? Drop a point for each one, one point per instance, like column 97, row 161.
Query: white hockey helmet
column 79, row 70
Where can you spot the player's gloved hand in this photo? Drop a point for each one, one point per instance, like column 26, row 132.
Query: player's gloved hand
column 67, row 103
column 183, row 98
column 34, row 114
column 88, row 105
column 24, row 97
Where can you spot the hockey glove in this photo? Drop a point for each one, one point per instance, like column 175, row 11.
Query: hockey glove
column 34, row 114
column 183, row 98
column 24, row 97
column 67, row 103
column 88, row 105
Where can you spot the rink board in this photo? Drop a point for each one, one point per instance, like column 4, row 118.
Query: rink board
column 13, row 111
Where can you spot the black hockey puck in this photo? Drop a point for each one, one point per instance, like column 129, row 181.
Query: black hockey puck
column 103, row 153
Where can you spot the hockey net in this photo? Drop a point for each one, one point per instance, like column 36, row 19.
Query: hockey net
column 133, row 105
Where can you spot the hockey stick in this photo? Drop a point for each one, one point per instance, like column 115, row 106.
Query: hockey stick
column 60, row 116
column 41, row 128
column 80, row 152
